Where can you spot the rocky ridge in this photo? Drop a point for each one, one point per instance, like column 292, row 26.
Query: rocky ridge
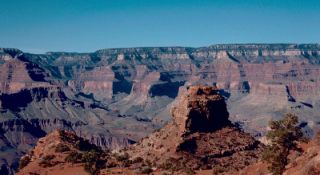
column 200, row 136
column 50, row 154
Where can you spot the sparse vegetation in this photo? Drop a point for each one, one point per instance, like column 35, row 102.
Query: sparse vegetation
column 93, row 162
column 91, row 155
column 217, row 170
column 24, row 161
column 122, row 157
column 148, row 162
column 137, row 160
column 74, row 157
column 189, row 171
column 283, row 137
column 175, row 165
column 167, row 165
column 111, row 164
column 146, row 170
column 85, row 145
column 62, row 148
column 47, row 161
column 78, row 142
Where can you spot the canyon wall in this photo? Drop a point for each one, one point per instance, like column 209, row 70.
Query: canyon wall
column 114, row 97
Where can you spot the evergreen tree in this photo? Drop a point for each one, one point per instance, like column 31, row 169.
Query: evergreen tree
column 283, row 137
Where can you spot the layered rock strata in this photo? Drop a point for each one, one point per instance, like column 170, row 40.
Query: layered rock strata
column 199, row 135
column 128, row 93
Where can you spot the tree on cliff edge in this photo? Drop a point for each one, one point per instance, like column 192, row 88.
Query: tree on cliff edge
column 283, row 136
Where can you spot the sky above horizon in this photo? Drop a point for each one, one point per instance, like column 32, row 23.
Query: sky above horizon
column 39, row 26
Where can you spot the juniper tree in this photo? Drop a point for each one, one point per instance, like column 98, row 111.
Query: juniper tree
column 283, row 137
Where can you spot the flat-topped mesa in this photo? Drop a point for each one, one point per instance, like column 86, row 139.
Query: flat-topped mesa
column 200, row 109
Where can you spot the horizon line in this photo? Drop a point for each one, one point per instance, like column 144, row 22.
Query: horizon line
column 145, row 47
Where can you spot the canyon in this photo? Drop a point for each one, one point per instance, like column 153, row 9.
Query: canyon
column 115, row 97
column 199, row 138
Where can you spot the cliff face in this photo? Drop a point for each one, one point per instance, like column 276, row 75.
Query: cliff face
column 152, row 76
column 200, row 109
column 114, row 96
column 200, row 136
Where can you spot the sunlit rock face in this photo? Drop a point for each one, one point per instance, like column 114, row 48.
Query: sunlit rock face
column 200, row 109
column 199, row 130
column 128, row 93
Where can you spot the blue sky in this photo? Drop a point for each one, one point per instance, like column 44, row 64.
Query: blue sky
column 85, row 26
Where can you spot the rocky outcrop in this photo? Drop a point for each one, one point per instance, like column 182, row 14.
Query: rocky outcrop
column 64, row 152
column 200, row 109
column 199, row 135
column 50, row 154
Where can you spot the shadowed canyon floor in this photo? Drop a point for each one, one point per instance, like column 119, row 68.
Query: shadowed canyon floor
column 115, row 97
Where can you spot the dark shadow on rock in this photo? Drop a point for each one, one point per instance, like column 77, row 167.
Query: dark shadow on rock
column 169, row 89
